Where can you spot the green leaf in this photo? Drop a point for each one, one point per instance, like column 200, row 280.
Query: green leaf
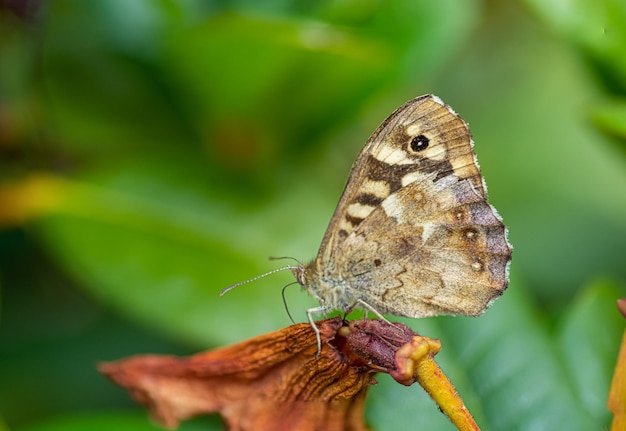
column 588, row 337
column 597, row 28
column 610, row 116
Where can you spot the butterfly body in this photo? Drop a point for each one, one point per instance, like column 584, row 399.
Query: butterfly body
column 413, row 234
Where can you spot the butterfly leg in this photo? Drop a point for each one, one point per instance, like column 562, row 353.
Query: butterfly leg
column 368, row 307
column 309, row 313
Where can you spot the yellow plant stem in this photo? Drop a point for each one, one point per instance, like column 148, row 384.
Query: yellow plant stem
column 417, row 359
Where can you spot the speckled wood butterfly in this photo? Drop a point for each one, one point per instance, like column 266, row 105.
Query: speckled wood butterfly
column 413, row 234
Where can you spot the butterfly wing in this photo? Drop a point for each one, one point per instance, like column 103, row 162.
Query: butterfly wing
column 413, row 234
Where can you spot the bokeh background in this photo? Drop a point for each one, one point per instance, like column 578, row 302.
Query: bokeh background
column 154, row 152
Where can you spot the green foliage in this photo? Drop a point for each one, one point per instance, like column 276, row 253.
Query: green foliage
column 177, row 145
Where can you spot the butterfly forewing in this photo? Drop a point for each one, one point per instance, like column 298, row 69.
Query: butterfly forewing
column 387, row 160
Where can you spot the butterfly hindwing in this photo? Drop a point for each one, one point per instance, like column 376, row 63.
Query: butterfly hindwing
column 453, row 262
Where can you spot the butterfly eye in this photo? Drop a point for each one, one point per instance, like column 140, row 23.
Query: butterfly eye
column 377, row 262
column 419, row 143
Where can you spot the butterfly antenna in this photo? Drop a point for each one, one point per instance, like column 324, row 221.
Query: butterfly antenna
column 286, row 257
column 232, row 286
column 285, row 301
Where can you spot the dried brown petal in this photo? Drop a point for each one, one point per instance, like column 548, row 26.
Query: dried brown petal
column 274, row 381
column 278, row 381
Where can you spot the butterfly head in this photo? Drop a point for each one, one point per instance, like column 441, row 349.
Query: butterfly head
column 300, row 273
column 309, row 279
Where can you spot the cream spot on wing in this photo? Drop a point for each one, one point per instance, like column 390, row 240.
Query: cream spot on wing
column 345, row 225
column 411, row 177
column 393, row 208
column 358, row 210
column 413, row 130
column 429, row 229
column 466, row 165
column 380, row 189
column 392, row 156
column 436, row 152
column 477, row 266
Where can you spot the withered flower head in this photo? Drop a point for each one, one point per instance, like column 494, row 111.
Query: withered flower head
column 278, row 381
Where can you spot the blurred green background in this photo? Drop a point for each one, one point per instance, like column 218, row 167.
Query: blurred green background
column 154, row 152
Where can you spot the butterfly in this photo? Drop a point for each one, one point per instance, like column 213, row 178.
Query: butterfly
column 413, row 234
